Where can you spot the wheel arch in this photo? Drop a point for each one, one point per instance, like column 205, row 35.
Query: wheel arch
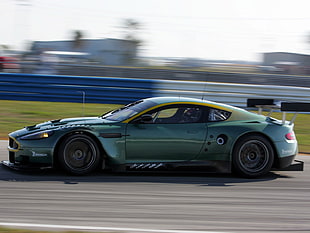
column 103, row 153
column 256, row 133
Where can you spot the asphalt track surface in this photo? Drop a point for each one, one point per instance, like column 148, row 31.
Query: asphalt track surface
column 172, row 203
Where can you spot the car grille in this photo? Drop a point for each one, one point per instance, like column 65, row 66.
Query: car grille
column 12, row 157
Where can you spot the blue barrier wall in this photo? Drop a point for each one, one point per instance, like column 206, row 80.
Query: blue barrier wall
column 55, row 88
column 59, row 88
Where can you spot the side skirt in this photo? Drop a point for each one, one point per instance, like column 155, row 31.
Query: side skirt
column 190, row 166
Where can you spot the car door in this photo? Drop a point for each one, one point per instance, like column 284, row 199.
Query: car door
column 174, row 133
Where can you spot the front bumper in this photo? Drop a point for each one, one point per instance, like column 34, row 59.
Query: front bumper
column 26, row 154
column 23, row 167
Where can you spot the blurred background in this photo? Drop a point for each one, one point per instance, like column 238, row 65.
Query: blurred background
column 155, row 38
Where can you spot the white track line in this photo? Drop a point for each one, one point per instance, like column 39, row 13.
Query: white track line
column 99, row 228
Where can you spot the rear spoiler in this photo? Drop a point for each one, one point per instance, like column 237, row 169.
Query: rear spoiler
column 284, row 107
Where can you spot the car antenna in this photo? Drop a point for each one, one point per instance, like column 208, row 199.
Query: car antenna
column 83, row 102
column 204, row 90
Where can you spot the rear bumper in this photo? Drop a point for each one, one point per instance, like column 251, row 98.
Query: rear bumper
column 296, row 165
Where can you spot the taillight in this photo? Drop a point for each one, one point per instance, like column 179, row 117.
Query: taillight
column 290, row 136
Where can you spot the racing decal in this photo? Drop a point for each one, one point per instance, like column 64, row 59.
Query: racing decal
column 138, row 166
column 35, row 154
column 287, row 152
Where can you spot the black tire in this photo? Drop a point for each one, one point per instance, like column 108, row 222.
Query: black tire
column 253, row 156
column 79, row 155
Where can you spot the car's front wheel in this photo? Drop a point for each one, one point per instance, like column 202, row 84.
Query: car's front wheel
column 79, row 154
column 253, row 156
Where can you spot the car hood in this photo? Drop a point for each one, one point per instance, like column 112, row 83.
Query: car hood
column 61, row 123
column 70, row 121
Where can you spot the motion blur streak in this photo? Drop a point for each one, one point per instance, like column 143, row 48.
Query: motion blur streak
column 99, row 228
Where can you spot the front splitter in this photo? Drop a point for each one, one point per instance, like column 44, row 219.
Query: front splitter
column 21, row 167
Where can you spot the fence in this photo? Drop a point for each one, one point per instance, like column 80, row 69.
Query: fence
column 56, row 88
column 234, row 74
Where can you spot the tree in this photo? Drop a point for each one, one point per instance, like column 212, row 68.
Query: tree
column 131, row 28
column 77, row 39
column 4, row 47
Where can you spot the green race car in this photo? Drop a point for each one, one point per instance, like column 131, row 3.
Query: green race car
column 159, row 134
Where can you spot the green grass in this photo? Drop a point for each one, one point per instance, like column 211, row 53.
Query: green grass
column 302, row 130
column 18, row 114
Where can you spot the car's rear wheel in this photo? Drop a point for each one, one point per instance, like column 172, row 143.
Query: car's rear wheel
column 79, row 154
column 253, row 156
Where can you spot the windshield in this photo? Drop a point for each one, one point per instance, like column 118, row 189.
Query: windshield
column 129, row 110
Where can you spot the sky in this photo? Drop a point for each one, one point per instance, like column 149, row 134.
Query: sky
column 207, row 29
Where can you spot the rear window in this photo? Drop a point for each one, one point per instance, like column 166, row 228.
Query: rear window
column 218, row 115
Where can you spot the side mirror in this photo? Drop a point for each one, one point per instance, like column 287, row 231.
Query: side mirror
column 146, row 118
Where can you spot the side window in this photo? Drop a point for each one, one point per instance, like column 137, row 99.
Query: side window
column 177, row 115
column 218, row 115
column 191, row 115
column 166, row 116
column 166, row 113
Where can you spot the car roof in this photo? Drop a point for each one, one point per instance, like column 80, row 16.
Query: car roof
column 183, row 100
column 238, row 113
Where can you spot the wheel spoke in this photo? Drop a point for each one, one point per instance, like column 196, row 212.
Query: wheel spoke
column 254, row 155
column 80, row 154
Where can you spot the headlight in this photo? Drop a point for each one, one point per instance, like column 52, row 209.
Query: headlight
column 38, row 135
